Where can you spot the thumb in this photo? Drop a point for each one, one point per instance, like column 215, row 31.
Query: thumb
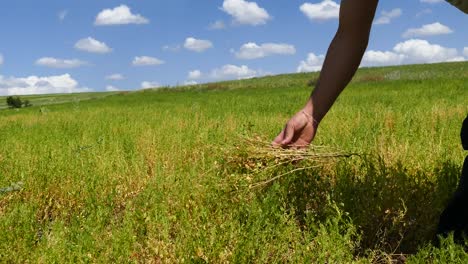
column 288, row 134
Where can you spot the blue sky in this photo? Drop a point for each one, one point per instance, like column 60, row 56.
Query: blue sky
column 76, row 46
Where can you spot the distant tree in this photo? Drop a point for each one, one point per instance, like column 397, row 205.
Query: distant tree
column 14, row 102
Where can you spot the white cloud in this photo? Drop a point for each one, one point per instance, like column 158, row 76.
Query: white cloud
column 324, row 10
column 431, row 1
column 1, row 59
column 62, row 14
column 40, row 85
column 146, row 85
column 198, row 45
column 386, row 17
column 411, row 52
column 427, row 30
column 421, row 51
column 195, row 74
column 382, row 58
column 60, row 63
column 190, row 83
column 146, row 61
column 251, row 50
column 219, row 24
column 120, row 15
column 233, row 72
column 245, row 12
column 111, row 88
column 465, row 51
column 91, row 45
column 115, row 77
column 313, row 63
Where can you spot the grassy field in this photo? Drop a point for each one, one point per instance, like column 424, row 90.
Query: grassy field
column 161, row 176
column 49, row 99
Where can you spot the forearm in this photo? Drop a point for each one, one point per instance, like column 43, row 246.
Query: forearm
column 341, row 63
column 343, row 56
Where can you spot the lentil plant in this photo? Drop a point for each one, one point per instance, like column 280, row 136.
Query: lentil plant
column 152, row 176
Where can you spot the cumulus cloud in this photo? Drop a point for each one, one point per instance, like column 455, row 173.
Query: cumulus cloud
column 146, row 85
column 427, row 30
column 91, row 45
column 120, row 15
column 40, row 85
column 244, row 12
column 421, row 51
column 313, row 63
column 195, row 74
column 251, row 50
column 230, row 71
column 411, row 52
column 381, row 58
column 219, row 24
column 198, row 45
column 146, row 61
column 386, row 17
column 111, row 88
column 465, row 52
column 324, row 10
column 115, row 77
column 60, row 63
column 431, row 1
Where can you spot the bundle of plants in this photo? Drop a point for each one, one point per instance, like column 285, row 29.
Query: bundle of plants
column 255, row 163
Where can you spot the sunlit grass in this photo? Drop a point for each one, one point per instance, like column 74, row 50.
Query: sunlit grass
column 149, row 176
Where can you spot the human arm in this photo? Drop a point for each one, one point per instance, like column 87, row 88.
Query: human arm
column 341, row 62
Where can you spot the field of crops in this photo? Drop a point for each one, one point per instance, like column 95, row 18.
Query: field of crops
column 164, row 175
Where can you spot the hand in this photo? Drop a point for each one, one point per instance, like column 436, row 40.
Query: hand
column 298, row 132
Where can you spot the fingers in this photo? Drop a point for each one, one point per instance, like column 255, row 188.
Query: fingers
column 285, row 136
column 277, row 141
column 292, row 132
column 288, row 134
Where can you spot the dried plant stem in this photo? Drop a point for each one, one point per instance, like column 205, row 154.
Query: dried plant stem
column 266, row 164
column 262, row 183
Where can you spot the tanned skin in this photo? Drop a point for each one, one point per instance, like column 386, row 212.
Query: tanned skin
column 341, row 62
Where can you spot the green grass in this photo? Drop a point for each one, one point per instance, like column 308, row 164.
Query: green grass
column 147, row 176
